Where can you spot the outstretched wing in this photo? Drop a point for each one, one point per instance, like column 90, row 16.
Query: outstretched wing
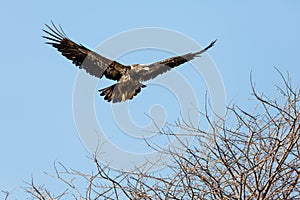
column 161, row 67
column 81, row 56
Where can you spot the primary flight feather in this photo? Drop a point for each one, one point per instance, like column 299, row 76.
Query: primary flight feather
column 128, row 77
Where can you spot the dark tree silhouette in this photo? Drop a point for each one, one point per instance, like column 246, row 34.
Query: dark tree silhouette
column 246, row 155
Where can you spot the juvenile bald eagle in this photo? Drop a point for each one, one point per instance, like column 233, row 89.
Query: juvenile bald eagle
column 128, row 77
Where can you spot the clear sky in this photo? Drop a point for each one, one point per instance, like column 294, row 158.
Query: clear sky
column 37, row 84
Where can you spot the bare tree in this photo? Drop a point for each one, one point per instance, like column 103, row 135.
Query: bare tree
column 6, row 195
column 246, row 155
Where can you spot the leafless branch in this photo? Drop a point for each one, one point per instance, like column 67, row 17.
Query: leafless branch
column 245, row 155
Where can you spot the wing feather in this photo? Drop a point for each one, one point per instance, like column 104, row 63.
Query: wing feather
column 161, row 67
column 82, row 57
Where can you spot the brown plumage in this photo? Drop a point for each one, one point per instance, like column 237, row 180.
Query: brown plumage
column 128, row 77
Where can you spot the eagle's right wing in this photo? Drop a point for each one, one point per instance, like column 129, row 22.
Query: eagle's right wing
column 81, row 56
column 163, row 66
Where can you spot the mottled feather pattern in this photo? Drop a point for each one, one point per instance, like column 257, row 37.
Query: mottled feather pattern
column 161, row 67
column 129, row 77
column 86, row 59
column 121, row 91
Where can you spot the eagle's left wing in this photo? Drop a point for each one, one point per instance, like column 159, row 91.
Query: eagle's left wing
column 90, row 61
column 161, row 67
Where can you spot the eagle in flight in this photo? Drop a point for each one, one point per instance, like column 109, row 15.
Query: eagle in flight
column 129, row 77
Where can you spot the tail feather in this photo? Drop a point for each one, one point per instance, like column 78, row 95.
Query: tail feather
column 121, row 92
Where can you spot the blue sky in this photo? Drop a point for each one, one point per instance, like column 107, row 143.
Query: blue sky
column 36, row 83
